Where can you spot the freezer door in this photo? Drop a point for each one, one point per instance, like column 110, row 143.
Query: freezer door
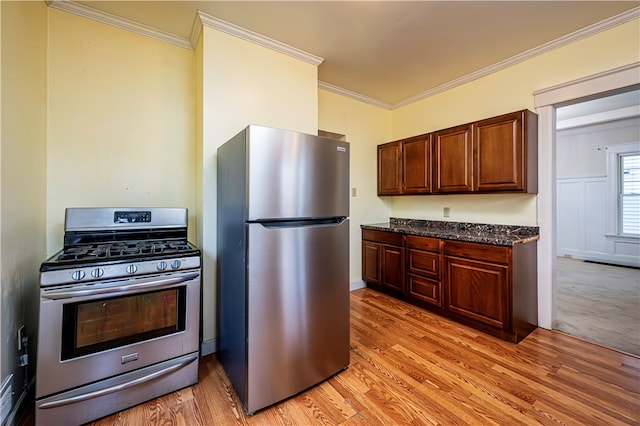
column 298, row 309
column 293, row 175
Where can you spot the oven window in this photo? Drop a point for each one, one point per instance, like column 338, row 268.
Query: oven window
column 98, row 325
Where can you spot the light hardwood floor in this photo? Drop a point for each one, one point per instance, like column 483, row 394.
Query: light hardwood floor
column 409, row 366
column 600, row 303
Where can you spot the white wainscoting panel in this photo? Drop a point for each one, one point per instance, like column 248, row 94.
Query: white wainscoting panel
column 581, row 212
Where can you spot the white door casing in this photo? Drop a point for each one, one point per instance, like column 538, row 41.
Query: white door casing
column 545, row 102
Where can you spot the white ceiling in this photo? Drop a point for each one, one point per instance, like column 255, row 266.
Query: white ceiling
column 388, row 51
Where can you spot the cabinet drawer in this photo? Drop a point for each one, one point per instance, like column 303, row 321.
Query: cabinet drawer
column 487, row 252
column 424, row 263
column 423, row 243
column 425, row 289
column 382, row 237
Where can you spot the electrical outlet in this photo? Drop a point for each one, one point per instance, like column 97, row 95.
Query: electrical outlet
column 353, row 192
column 6, row 398
column 445, row 211
column 20, row 336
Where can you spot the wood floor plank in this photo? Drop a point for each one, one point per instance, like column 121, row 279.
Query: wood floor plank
column 410, row 366
column 392, row 368
column 580, row 403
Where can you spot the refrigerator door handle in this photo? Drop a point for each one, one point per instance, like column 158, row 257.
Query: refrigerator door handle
column 296, row 223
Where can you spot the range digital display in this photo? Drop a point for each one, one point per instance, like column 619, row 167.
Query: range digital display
column 132, row 217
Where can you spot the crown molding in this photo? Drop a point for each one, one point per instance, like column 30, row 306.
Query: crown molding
column 234, row 30
column 349, row 94
column 521, row 57
column 116, row 21
column 196, row 29
column 202, row 19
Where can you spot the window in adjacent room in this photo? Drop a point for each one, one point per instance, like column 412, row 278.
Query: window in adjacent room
column 623, row 172
column 629, row 198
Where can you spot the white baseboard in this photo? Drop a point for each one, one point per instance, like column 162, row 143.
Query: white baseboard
column 357, row 285
column 601, row 257
column 208, row 347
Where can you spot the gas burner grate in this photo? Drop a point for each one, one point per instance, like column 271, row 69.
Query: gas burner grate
column 120, row 249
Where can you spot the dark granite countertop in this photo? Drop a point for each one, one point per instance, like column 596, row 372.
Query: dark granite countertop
column 500, row 235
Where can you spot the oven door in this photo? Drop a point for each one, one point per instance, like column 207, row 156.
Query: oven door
column 89, row 332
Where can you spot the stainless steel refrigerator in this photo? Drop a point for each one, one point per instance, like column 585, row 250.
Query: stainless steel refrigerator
column 283, row 262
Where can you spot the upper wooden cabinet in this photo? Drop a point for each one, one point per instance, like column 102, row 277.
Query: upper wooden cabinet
column 505, row 153
column 404, row 166
column 498, row 154
column 389, row 168
column 416, row 165
column 452, row 167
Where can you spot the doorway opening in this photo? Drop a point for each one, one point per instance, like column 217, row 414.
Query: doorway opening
column 597, row 148
column 551, row 201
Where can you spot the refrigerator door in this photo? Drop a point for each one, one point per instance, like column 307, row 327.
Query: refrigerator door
column 295, row 175
column 298, row 308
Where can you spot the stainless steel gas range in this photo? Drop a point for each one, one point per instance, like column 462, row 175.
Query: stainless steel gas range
column 119, row 313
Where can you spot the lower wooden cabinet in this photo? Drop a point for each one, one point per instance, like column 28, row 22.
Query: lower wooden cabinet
column 392, row 268
column 491, row 288
column 477, row 290
column 371, row 262
column 383, row 260
column 424, row 289
column 424, row 265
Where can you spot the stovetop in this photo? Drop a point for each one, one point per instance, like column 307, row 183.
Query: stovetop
column 118, row 252
column 110, row 243
column 118, row 260
column 123, row 249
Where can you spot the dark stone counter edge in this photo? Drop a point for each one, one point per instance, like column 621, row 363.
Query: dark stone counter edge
column 499, row 235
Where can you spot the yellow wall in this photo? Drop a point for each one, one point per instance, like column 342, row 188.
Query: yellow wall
column 121, row 121
column 135, row 121
column 364, row 126
column 243, row 83
column 22, row 175
column 504, row 91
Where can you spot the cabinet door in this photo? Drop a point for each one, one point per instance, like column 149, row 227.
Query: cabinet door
column 477, row 290
column 389, row 168
column 416, row 165
column 392, row 268
column 499, row 153
column 453, row 170
column 371, row 263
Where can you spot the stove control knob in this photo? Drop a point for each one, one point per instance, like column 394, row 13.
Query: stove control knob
column 77, row 275
column 97, row 273
column 131, row 269
column 176, row 264
column 162, row 266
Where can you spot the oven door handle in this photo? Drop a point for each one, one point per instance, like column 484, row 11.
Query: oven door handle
column 149, row 284
column 119, row 387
